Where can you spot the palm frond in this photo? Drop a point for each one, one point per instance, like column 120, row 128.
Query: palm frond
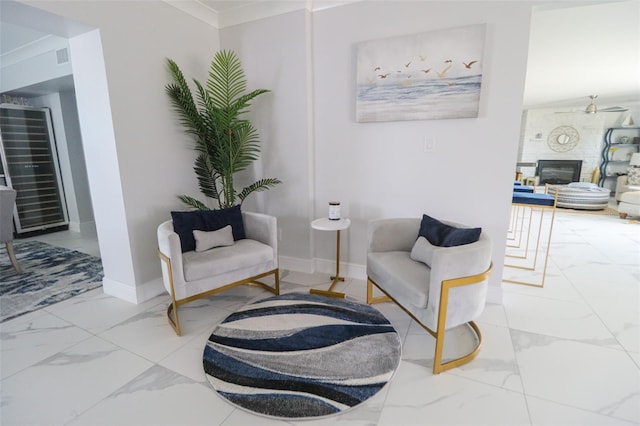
column 226, row 79
column 207, row 176
column 241, row 104
column 182, row 101
column 261, row 185
column 192, row 202
column 226, row 143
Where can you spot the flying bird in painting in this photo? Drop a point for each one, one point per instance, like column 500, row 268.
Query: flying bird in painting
column 426, row 71
column 444, row 71
column 407, row 64
column 376, row 69
column 384, row 75
column 469, row 64
column 448, row 61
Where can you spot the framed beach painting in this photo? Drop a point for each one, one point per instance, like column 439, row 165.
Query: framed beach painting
column 428, row 76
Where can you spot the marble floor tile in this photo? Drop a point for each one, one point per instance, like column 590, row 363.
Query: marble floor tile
column 548, row 413
column 416, row 397
column 158, row 397
column 149, row 335
column 95, row 311
column 496, row 362
column 244, row 418
column 187, row 360
column 586, row 376
column 34, row 337
column 55, row 390
column 559, row 318
column 493, row 314
column 556, row 286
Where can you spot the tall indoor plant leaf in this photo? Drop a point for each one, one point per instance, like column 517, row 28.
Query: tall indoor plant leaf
column 226, row 143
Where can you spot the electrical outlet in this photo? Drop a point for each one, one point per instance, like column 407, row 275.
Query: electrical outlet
column 429, row 144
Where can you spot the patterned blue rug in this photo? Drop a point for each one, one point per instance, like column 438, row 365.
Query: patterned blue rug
column 301, row 355
column 50, row 274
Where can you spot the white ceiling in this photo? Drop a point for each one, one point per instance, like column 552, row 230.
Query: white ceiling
column 576, row 50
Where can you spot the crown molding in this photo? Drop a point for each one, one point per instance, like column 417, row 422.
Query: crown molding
column 252, row 11
column 197, row 10
column 48, row 43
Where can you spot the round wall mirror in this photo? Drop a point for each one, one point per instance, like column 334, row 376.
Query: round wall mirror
column 563, row 138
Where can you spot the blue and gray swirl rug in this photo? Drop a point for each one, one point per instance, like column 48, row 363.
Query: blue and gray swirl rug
column 301, row 355
column 50, row 274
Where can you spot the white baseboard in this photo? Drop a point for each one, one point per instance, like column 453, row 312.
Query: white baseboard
column 82, row 226
column 295, row 264
column 119, row 290
column 138, row 294
column 324, row 266
column 347, row 270
column 151, row 289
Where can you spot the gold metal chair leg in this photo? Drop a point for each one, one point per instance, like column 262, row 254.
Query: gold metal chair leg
column 174, row 321
column 12, row 256
column 379, row 299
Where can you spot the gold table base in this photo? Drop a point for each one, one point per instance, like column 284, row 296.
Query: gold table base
column 334, row 279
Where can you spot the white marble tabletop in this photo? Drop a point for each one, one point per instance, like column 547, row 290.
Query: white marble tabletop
column 326, row 224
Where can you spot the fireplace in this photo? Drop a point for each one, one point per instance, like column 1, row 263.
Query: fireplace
column 558, row 171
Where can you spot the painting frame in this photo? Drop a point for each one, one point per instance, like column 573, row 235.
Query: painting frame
column 426, row 76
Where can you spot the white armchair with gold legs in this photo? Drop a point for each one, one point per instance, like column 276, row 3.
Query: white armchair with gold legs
column 440, row 287
column 194, row 274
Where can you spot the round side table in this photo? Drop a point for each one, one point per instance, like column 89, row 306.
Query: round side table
column 324, row 224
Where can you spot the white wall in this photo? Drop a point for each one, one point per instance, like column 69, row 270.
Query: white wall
column 309, row 135
column 380, row 169
column 138, row 159
column 274, row 53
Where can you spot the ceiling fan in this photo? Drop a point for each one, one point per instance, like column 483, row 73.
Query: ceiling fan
column 592, row 108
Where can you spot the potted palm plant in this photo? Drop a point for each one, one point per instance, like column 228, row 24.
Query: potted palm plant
column 226, row 143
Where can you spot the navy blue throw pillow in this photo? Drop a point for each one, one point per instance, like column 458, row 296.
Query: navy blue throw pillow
column 184, row 223
column 443, row 235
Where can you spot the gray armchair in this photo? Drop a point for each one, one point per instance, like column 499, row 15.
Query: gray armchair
column 193, row 275
column 622, row 186
column 7, row 203
column 447, row 291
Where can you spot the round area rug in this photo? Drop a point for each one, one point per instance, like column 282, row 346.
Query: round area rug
column 301, row 355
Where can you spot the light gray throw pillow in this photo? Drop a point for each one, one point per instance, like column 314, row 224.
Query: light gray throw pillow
column 422, row 251
column 211, row 239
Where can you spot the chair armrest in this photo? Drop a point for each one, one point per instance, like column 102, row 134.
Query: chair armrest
column 7, row 202
column 621, row 186
column 261, row 227
column 392, row 234
column 169, row 245
column 458, row 262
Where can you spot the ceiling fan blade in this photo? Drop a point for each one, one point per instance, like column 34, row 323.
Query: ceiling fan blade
column 613, row 109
